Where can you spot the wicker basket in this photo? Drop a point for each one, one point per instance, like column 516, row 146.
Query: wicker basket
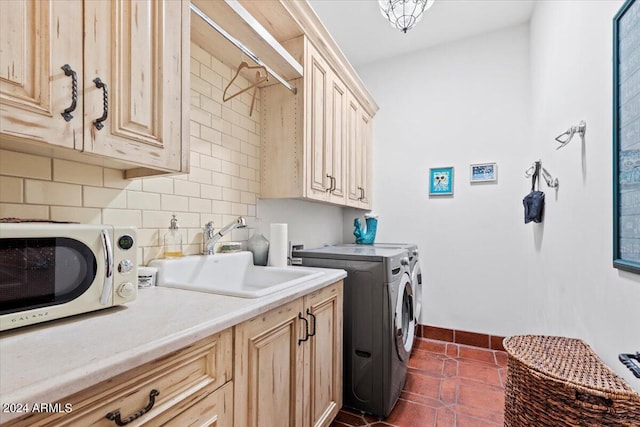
column 557, row 381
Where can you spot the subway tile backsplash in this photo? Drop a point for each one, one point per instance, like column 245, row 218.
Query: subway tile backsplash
column 223, row 182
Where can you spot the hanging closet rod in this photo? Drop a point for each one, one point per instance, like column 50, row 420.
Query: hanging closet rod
column 240, row 46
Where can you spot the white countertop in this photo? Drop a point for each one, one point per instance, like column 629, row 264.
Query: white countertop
column 47, row 362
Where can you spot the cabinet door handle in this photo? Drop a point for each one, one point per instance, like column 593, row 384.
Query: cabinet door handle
column 333, row 184
column 314, row 322
column 306, row 329
column 116, row 418
column 105, row 103
column 74, row 92
column 330, row 183
column 361, row 193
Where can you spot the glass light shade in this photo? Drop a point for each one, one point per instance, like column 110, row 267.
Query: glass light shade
column 404, row 14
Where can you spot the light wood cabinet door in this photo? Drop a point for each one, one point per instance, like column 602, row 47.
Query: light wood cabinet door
column 336, row 140
column 136, row 49
column 37, row 38
column 354, row 161
column 325, row 128
column 323, row 356
column 359, row 163
column 268, row 369
column 316, row 125
column 366, row 125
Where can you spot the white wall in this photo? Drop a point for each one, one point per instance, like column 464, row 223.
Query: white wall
column 454, row 105
column 311, row 224
column 579, row 293
column 503, row 97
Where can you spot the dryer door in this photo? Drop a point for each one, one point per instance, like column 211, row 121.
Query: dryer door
column 403, row 320
column 416, row 279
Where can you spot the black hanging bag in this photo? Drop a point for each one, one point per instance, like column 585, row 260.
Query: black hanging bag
column 534, row 201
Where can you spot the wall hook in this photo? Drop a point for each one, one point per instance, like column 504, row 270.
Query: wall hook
column 580, row 129
column 550, row 180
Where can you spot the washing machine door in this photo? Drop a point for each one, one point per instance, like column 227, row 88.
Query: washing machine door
column 403, row 320
column 416, row 279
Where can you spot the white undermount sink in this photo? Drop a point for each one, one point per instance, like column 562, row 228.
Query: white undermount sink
column 228, row 274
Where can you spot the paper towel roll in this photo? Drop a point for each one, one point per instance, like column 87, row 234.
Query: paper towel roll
column 278, row 245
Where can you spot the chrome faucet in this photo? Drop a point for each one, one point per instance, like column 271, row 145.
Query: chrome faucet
column 207, row 237
column 210, row 238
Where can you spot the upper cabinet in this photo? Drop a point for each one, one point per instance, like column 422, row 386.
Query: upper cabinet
column 39, row 70
column 312, row 146
column 316, row 144
column 135, row 48
column 101, row 77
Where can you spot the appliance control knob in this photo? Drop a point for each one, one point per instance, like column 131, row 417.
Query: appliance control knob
column 125, row 266
column 404, row 261
column 415, row 252
column 126, row 290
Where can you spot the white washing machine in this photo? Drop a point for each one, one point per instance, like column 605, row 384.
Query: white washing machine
column 378, row 321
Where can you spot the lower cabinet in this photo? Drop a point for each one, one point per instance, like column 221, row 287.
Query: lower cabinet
column 288, row 364
column 191, row 387
column 288, row 372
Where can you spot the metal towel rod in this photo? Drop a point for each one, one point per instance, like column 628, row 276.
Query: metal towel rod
column 240, row 46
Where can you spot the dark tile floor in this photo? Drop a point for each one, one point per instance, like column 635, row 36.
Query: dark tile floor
column 448, row 385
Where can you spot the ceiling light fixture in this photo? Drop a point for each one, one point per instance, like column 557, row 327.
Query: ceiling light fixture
column 404, row 14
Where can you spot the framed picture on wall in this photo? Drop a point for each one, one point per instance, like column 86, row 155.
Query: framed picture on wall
column 441, row 181
column 626, row 137
column 483, row 172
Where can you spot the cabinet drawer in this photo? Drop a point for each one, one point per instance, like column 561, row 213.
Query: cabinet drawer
column 181, row 378
column 208, row 409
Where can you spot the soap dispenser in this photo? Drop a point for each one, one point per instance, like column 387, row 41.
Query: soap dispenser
column 173, row 240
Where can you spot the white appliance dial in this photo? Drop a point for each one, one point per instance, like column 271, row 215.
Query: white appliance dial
column 126, row 290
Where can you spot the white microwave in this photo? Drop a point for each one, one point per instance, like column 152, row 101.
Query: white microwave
column 49, row 271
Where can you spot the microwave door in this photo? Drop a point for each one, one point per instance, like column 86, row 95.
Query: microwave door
column 71, row 269
column 27, row 275
column 39, row 272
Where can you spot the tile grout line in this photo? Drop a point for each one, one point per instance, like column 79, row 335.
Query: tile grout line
column 441, row 353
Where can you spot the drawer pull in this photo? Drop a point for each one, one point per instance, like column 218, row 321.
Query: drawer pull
column 115, row 416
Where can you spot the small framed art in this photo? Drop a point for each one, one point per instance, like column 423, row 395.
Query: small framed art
column 441, row 181
column 483, row 172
